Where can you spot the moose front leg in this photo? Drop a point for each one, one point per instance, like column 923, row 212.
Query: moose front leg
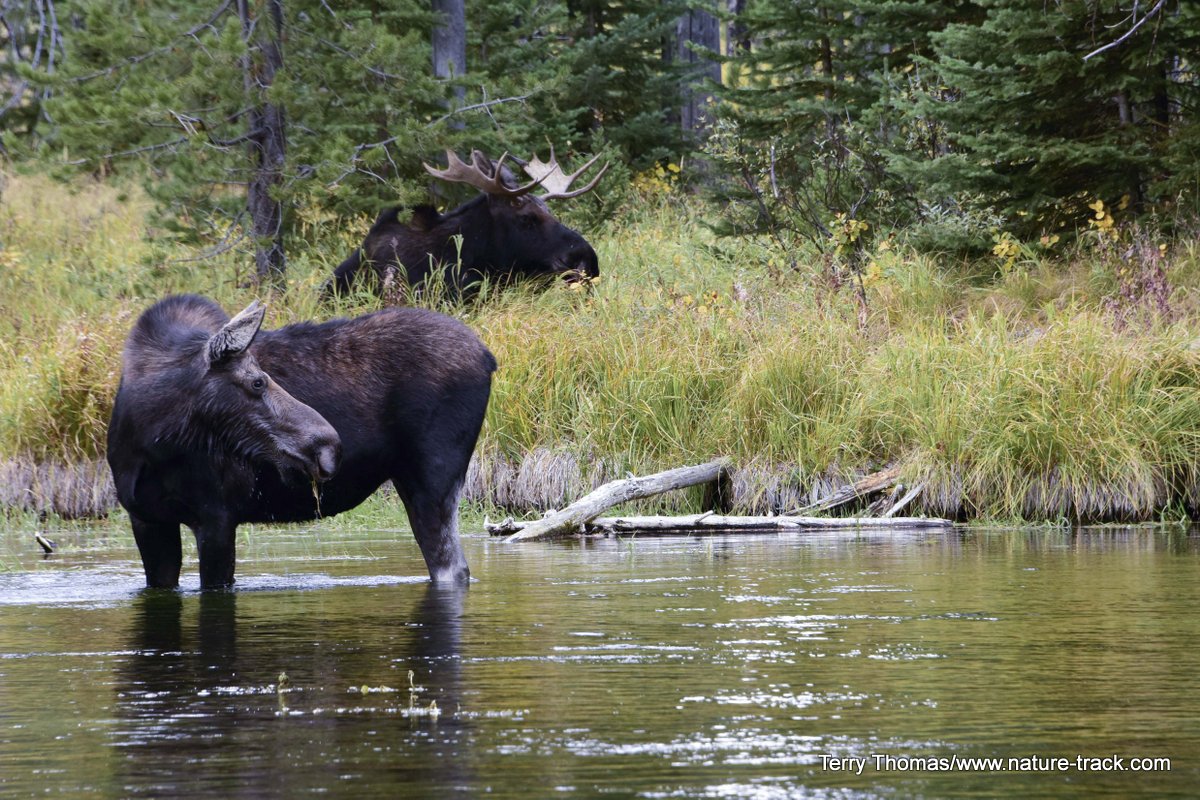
column 215, row 545
column 161, row 551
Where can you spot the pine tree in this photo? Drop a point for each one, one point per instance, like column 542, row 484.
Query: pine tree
column 30, row 40
column 1036, row 131
column 185, row 90
column 810, row 126
column 582, row 76
column 354, row 92
column 619, row 81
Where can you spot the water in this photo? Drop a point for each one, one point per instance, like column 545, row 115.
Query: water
column 716, row 667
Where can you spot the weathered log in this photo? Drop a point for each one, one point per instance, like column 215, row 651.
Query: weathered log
column 875, row 482
column 782, row 523
column 885, row 502
column 570, row 519
column 716, row 522
column 904, row 501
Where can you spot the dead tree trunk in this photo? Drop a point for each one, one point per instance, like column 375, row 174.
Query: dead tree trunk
column 450, row 45
column 697, row 31
column 738, row 37
column 262, row 32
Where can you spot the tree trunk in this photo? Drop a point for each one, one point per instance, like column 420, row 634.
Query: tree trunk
column 695, row 31
column 267, row 141
column 450, row 44
column 737, row 35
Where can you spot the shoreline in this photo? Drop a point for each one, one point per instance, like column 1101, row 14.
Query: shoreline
column 545, row 479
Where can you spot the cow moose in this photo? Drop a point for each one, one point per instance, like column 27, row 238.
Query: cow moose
column 505, row 235
column 217, row 422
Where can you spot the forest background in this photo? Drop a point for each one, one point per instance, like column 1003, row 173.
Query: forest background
column 958, row 238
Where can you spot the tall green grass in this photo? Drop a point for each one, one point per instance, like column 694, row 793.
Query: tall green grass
column 1015, row 396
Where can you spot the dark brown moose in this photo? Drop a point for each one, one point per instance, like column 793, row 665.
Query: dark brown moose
column 217, row 422
column 505, row 235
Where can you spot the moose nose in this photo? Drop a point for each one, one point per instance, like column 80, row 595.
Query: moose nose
column 580, row 264
column 329, row 455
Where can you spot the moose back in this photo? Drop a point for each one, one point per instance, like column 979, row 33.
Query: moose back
column 504, row 235
column 217, row 422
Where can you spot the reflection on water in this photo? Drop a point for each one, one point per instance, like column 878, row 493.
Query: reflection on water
column 651, row 667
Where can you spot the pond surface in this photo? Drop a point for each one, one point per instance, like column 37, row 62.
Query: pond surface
column 715, row 667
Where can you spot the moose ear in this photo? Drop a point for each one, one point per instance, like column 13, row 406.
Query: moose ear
column 424, row 218
column 237, row 334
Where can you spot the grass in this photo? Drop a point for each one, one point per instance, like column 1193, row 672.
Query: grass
column 1057, row 390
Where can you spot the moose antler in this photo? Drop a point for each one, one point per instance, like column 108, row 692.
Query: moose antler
column 480, row 173
column 551, row 177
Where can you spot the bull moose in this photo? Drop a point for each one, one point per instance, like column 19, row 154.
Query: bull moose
column 504, row 235
column 217, row 422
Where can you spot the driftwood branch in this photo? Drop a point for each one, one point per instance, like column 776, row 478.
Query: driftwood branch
column 904, row 501
column 583, row 516
column 570, row 519
column 875, row 482
column 715, row 522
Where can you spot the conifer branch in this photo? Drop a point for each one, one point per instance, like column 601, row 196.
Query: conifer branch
column 137, row 59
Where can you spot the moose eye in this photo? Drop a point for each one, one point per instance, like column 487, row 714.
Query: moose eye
column 258, row 384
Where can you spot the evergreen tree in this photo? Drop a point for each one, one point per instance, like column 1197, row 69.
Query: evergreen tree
column 582, row 76
column 30, row 40
column 620, row 82
column 1036, row 131
column 814, row 115
column 184, row 89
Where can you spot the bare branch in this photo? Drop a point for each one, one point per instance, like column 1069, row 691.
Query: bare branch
column 227, row 243
column 478, row 106
column 1132, row 30
column 146, row 149
column 362, row 148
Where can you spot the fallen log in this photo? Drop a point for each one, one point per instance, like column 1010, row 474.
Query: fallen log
column 904, row 501
column 716, row 522
column 875, row 482
column 572, row 518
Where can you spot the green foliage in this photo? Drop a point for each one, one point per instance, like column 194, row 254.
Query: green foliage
column 953, row 119
column 1031, row 125
column 164, row 87
column 138, row 83
column 811, row 123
